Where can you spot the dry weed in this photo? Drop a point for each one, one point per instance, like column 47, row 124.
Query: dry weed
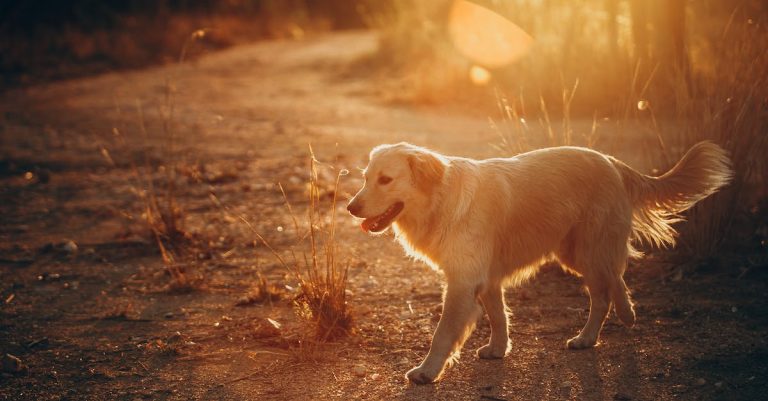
column 322, row 281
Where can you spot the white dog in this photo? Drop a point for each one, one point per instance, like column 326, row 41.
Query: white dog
column 491, row 223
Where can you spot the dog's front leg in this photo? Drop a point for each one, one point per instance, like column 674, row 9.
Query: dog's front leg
column 460, row 312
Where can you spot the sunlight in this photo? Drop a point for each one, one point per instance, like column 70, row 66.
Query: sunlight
column 479, row 75
column 485, row 37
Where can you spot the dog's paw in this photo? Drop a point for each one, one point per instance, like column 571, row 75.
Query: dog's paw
column 421, row 375
column 580, row 342
column 489, row 352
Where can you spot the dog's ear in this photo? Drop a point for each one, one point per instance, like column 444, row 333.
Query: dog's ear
column 427, row 170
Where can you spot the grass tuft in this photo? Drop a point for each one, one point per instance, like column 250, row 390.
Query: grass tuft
column 322, row 280
column 323, row 283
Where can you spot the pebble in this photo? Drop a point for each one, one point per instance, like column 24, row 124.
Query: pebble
column 700, row 381
column 359, row 371
column 168, row 315
column 70, row 247
column 12, row 364
column 175, row 338
column 375, row 376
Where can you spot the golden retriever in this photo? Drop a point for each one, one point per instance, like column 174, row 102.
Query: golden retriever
column 487, row 224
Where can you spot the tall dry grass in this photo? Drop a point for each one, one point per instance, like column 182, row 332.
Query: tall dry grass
column 156, row 186
column 323, row 281
column 729, row 105
column 313, row 259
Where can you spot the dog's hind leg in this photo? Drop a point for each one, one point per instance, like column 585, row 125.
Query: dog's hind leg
column 460, row 312
column 599, row 305
column 493, row 301
column 623, row 304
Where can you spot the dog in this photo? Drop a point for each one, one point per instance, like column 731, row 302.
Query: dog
column 488, row 224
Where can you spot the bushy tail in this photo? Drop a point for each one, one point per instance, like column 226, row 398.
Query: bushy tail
column 703, row 170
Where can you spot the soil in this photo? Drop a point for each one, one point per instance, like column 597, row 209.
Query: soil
column 85, row 302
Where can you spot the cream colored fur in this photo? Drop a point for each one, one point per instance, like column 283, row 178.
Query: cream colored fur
column 487, row 224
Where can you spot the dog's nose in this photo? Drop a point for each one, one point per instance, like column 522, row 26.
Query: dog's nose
column 354, row 207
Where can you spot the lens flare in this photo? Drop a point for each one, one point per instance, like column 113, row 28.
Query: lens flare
column 486, row 38
column 479, row 75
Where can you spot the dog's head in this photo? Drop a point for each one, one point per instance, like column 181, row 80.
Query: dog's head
column 398, row 180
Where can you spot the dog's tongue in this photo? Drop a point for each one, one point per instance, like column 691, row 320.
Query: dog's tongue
column 367, row 223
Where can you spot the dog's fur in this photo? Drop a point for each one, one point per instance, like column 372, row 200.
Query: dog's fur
column 491, row 223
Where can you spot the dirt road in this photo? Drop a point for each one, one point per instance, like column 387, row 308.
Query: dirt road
column 95, row 323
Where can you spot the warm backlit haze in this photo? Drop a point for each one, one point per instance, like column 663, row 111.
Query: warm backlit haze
column 174, row 176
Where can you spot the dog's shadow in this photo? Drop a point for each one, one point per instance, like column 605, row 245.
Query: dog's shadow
column 586, row 374
column 600, row 373
column 608, row 374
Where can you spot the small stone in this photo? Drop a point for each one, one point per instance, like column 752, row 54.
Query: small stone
column 734, row 309
column 168, row 315
column 375, row 376
column 719, row 384
column 404, row 361
column 700, row 381
column 12, row 364
column 175, row 338
column 70, row 247
column 359, row 371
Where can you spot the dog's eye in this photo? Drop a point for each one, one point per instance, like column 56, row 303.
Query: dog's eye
column 384, row 180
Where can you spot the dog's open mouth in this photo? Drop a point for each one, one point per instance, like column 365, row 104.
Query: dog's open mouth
column 380, row 223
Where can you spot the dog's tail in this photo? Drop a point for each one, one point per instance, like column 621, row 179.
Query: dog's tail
column 703, row 170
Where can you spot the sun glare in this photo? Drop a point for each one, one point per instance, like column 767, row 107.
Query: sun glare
column 479, row 75
column 485, row 37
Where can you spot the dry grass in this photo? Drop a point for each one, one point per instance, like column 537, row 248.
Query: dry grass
column 156, row 188
column 263, row 292
column 518, row 135
column 159, row 208
column 322, row 280
column 729, row 106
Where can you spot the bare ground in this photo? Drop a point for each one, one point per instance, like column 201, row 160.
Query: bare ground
column 98, row 324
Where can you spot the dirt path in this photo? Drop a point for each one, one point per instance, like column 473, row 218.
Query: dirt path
column 93, row 324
